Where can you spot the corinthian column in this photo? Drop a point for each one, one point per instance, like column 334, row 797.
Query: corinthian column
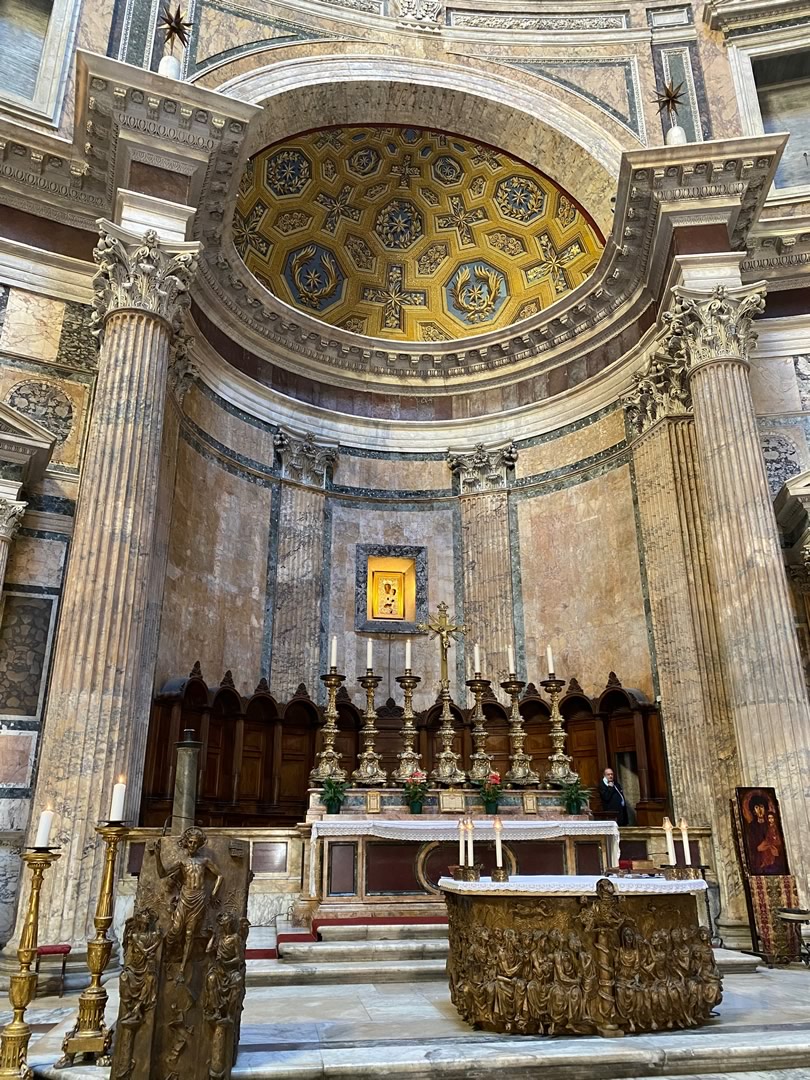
column 11, row 512
column 98, row 700
column 758, row 646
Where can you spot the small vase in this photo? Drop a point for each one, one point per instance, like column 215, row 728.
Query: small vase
column 416, row 808
column 491, row 807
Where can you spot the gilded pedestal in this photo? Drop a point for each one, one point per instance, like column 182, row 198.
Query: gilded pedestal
column 369, row 772
column 521, row 773
column 328, row 766
column 409, row 759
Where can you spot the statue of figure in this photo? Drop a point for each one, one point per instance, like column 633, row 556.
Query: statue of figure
column 710, row 978
column 225, row 989
column 192, row 898
column 138, row 984
column 628, row 988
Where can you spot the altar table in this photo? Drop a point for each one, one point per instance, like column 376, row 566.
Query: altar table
column 579, row 955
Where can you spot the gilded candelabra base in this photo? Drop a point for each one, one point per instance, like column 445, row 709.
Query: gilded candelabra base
column 500, row 873
column 480, row 760
column 560, row 772
column 447, row 771
column 369, row 772
column 521, row 773
column 16, row 1035
column 409, row 759
column 681, row 873
column 90, row 1038
column 328, row 765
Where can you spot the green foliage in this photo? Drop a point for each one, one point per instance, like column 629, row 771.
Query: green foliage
column 333, row 792
column 415, row 787
column 575, row 796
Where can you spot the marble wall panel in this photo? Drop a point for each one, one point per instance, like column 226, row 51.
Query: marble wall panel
column 801, row 365
column 785, row 450
column 774, row 385
column 556, row 450
column 24, row 640
column 36, row 561
column 32, row 326
column 581, row 583
column 59, row 405
column 9, row 881
column 725, row 110
column 248, row 437
column 387, row 474
column 16, row 758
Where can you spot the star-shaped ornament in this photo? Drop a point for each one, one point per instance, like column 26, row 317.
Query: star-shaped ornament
column 670, row 98
column 175, row 27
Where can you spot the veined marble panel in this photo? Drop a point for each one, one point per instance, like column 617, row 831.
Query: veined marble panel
column 35, row 561
column 774, row 385
column 250, row 438
column 32, row 325
column 16, row 758
column 9, row 879
column 585, row 440
column 60, row 405
column 392, row 474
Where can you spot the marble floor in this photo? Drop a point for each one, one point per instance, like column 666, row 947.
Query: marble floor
column 369, row 1030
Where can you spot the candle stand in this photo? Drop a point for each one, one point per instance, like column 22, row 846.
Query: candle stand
column 480, row 760
column 369, row 771
column 560, row 771
column 500, row 873
column 16, row 1035
column 520, row 772
column 90, row 1036
column 447, row 770
column 409, row 759
column 473, row 873
column 328, row 766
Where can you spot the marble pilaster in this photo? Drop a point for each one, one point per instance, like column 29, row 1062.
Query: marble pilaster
column 758, row 645
column 98, row 705
column 487, row 572
column 11, row 512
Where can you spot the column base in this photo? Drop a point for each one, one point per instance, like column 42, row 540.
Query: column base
column 77, row 973
column 735, row 934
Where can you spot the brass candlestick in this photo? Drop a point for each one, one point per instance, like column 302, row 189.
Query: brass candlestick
column 409, row 759
column 447, row 770
column 369, row 771
column 560, row 771
column 480, row 760
column 328, row 766
column 520, row 772
column 16, row 1035
column 90, row 1036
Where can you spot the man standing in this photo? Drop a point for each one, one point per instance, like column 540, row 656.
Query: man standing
column 612, row 797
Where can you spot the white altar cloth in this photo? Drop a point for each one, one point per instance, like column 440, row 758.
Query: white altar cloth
column 569, row 885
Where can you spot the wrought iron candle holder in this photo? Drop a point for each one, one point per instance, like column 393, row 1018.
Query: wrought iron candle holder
column 409, row 759
column 16, row 1035
column 328, row 765
column 560, row 771
column 480, row 760
column 369, row 772
column 520, row 772
column 90, row 1037
column 447, row 770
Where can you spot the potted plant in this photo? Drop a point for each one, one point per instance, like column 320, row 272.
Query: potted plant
column 575, row 796
column 491, row 792
column 333, row 795
column 415, row 788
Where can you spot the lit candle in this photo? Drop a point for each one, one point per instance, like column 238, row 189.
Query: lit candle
column 498, row 826
column 333, row 652
column 477, row 659
column 117, row 804
column 44, row 829
column 511, row 653
column 470, row 856
column 370, row 654
column 550, row 660
column 670, row 842
column 407, row 654
column 687, row 853
column 461, row 841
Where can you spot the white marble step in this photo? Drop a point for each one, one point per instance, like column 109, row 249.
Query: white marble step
column 282, row 973
column 376, row 932
column 732, row 962
column 371, row 952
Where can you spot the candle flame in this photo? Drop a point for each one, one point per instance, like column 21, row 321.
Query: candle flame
column 497, row 824
column 682, row 824
column 667, row 824
column 122, row 779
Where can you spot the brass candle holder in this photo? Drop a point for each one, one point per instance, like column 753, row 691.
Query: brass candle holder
column 458, row 872
column 409, row 759
column 90, row 1037
column 500, row 873
column 447, row 770
column 328, row 765
column 369, row 772
column 16, row 1035
column 480, row 760
column 560, row 771
column 473, row 873
column 520, row 772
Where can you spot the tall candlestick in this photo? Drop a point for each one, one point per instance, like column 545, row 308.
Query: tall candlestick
column 477, row 659
column 333, row 652
column 470, row 855
column 117, row 804
column 498, row 826
column 667, row 826
column 687, row 852
column 370, row 655
column 461, row 823
column 550, row 660
column 407, row 654
column 511, row 654
column 44, row 829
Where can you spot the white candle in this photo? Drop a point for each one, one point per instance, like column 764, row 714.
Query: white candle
column 511, row 653
column 477, row 659
column 117, row 804
column 470, row 856
column 333, row 652
column 461, row 841
column 687, row 852
column 44, row 829
column 550, row 660
column 370, row 654
column 407, row 654
column 498, row 826
column 670, row 842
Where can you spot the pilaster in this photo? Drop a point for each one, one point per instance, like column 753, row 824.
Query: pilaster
column 11, row 512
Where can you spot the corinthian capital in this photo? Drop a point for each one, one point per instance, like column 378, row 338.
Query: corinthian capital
column 11, row 513
column 142, row 274
column 659, row 389
column 714, row 325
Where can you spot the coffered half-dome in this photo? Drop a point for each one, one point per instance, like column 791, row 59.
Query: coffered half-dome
column 409, row 234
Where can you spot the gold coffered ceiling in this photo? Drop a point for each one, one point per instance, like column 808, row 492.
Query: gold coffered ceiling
column 409, row 234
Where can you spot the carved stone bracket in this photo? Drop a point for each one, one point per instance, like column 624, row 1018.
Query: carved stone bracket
column 304, row 460
column 145, row 275
column 659, row 389
column 715, row 325
column 482, row 470
column 420, row 14
column 11, row 513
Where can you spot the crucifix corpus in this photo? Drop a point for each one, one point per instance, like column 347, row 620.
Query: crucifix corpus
column 446, row 632
column 447, row 769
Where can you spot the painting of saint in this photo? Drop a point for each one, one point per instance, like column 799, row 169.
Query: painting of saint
column 763, row 840
column 389, row 595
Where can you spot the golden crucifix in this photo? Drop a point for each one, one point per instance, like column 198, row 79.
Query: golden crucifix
column 446, row 632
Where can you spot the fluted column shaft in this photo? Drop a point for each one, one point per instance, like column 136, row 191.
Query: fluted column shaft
column 11, row 512
column 488, row 607
column 98, row 702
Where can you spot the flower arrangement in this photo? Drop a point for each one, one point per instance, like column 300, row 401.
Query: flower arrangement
column 333, row 794
column 491, row 791
column 575, row 796
column 415, row 788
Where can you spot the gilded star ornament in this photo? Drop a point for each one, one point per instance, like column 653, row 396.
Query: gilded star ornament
column 175, row 27
column 670, row 98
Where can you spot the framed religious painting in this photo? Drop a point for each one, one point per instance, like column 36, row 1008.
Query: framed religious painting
column 387, row 594
column 762, row 841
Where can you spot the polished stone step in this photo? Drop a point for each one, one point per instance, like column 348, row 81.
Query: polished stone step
column 282, row 973
column 381, row 932
column 732, row 962
column 370, row 952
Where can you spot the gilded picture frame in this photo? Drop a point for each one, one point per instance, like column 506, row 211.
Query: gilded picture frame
column 387, row 594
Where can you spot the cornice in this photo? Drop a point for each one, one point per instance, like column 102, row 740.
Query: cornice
column 46, row 272
column 778, row 251
column 736, row 15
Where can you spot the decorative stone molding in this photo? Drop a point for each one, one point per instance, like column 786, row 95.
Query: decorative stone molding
column 420, row 14
column 659, row 389
column 799, row 573
column 482, row 470
column 539, row 23
column 11, row 513
column 182, row 369
column 715, row 325
column 143, row 275
column 303, row 460
column 753, row 15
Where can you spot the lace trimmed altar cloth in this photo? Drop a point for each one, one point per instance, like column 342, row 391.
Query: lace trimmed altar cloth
column 570, row 885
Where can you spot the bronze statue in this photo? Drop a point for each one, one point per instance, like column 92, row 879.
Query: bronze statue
column 192, row 898
column 138, row 985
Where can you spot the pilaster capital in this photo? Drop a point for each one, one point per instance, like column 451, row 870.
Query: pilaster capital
column 660, row 389
column 482, row 470
column 304, row 460
column 142, row 274
column 716, row 324
column 11, row 512
column 182, row 369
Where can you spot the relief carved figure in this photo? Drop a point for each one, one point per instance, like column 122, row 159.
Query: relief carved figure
column 225, row 989
column 138, row 985
column 193, row 898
